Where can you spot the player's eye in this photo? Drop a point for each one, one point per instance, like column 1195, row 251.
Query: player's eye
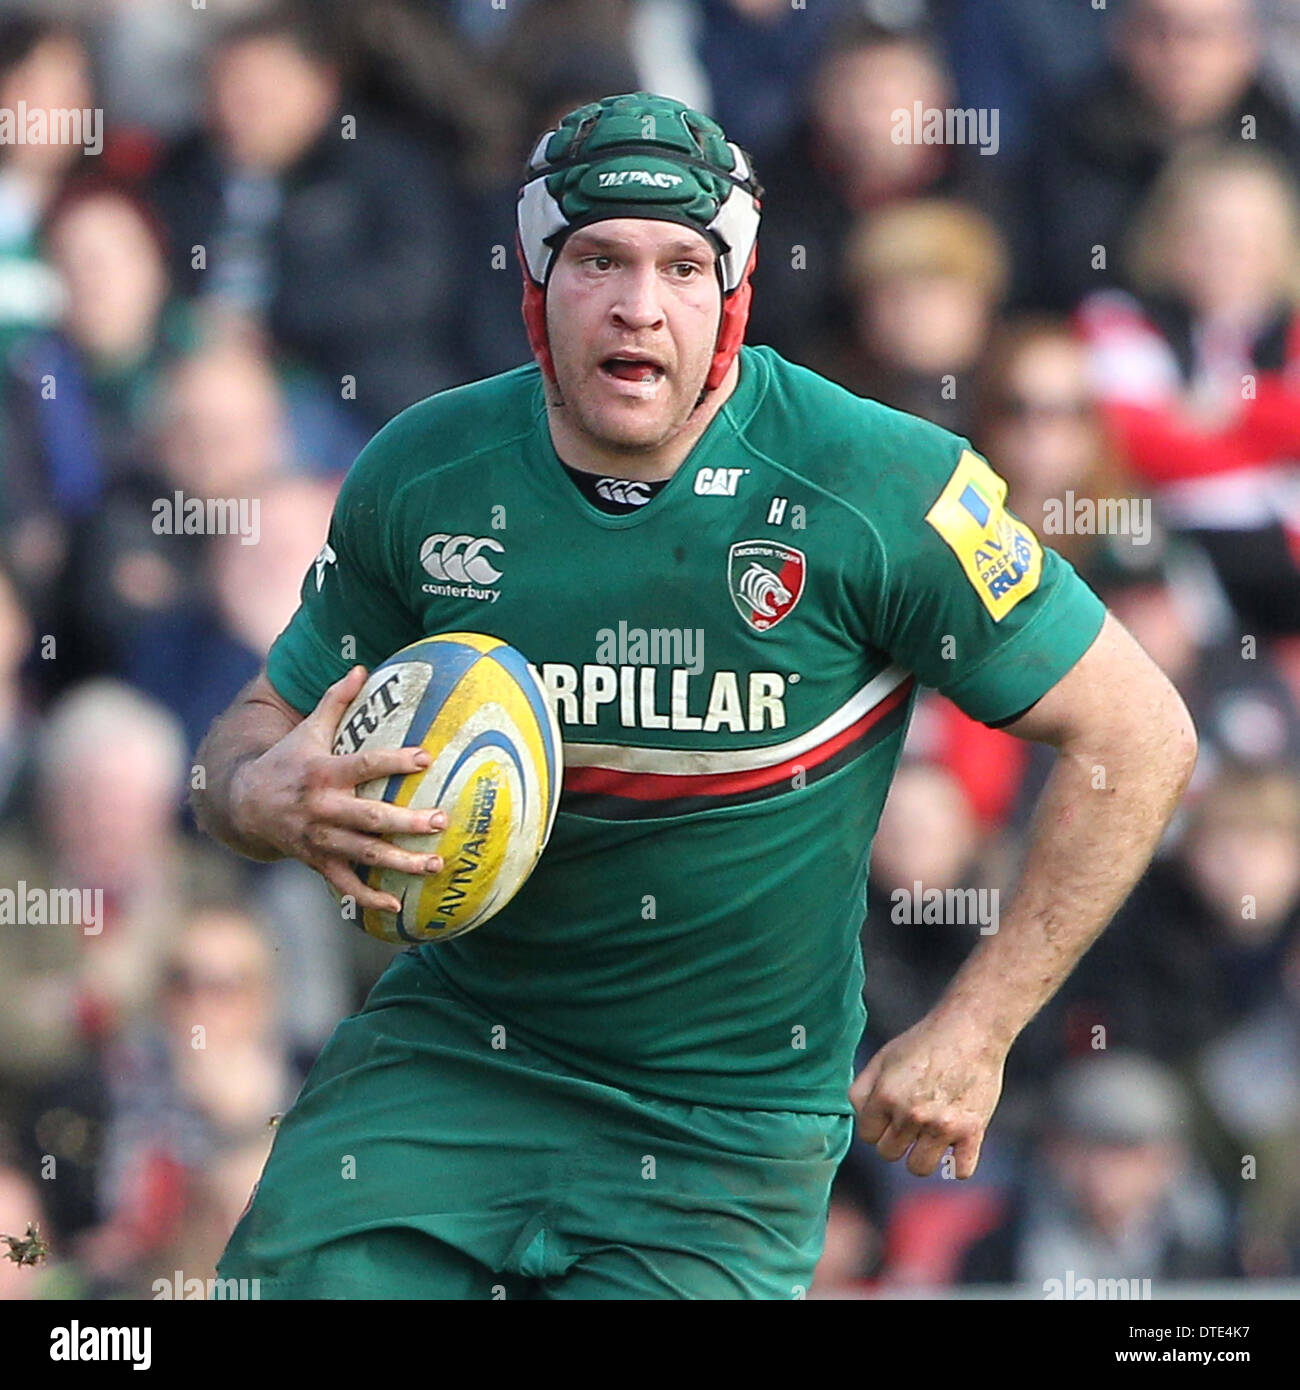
column 599, row 262
column 685, row 270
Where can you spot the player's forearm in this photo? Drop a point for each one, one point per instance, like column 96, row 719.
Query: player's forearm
column 1097, row 825
column 241, row 735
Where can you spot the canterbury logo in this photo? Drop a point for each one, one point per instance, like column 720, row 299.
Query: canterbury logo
column 325, row 557
column 458, row 559
column 758, row 585
column 630, row 493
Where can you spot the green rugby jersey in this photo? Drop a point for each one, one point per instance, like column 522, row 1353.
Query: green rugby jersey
column 733, row 666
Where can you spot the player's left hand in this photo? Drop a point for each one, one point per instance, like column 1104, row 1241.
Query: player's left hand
column 930, row 1089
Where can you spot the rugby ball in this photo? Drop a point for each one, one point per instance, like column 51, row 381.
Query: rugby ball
column 478, row 708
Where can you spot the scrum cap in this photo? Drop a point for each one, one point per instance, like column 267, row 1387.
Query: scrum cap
column 640, row 155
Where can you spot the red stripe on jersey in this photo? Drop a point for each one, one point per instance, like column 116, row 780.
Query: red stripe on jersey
column 664, row 786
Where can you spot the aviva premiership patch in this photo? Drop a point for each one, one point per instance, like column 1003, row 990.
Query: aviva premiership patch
column 1000, row 554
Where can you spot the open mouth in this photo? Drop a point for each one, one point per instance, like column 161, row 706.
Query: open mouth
column 629, row 368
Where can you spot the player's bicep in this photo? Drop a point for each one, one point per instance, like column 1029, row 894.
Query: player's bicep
column 1112, row 691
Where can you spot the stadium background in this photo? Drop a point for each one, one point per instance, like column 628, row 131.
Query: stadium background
column 298, row 225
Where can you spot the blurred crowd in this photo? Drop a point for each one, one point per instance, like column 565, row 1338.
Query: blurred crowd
column 301, row 221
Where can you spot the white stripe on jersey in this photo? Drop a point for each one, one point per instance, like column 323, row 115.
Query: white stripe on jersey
column 682, row 761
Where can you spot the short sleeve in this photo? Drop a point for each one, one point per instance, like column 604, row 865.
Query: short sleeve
column 973, row 603
column 351, row 607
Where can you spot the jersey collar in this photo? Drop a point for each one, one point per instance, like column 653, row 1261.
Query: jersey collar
column 725, row 426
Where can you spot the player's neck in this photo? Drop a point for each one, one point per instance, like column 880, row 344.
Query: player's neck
column 581, row 451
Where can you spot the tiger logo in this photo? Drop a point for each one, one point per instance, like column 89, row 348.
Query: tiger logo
column 766, row 580
column 758, row 586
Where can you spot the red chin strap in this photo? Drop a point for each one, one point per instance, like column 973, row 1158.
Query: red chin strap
column 731, row 331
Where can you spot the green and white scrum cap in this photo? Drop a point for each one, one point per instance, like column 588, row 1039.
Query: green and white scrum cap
column 639, row 155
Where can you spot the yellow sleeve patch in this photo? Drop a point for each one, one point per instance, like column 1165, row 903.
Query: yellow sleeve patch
column 1000, row 554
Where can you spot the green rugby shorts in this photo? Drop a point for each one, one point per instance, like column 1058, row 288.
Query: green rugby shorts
column 430, row 1156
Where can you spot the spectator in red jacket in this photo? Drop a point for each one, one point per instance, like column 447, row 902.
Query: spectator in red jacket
column 1199, row 371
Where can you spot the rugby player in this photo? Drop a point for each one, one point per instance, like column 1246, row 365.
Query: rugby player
column 637, row 1080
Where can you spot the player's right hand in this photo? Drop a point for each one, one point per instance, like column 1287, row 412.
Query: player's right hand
column 300, row 796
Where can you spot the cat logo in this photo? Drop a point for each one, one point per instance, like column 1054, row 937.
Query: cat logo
column 718, row 482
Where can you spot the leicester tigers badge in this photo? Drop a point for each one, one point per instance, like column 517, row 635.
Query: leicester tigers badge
column 765, row 580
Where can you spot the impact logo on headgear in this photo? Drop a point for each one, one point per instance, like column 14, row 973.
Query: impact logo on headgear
column 616, row 178
column 640, row 155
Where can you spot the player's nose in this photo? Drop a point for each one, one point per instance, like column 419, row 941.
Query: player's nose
column 637, row 303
